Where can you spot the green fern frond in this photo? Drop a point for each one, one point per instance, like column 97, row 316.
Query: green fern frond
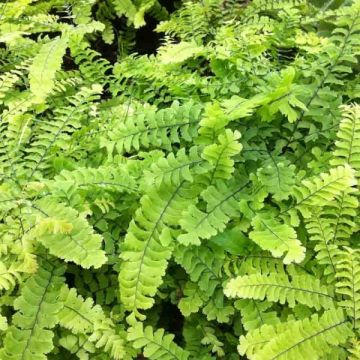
column 259, row 337
column 29, row 336
column 112, row 178
column 124, row 7
column 256, row 313
column 257, row 6
column 81, row 10
column 322, row 189
column 176, row 181
column 347, row 149
column 15, row 76
column 77, row 315
column 321, row 230
column 176, row 168
column 341, row 213
column 192, row 299
column 309, row 338
column 219, row 308
column 105, row 336
column 303, row 289
column 67, row 235
column 177, row 53
column 348, row 283
column 78, row 345
column 256, row 263
column 44, row 67
column 9, row 276
column 83, row 317
column 278, row 177
column 203, row 265
column 155, row 345
column 221, row 205
column 354, row 350
column 56, row 132
column 93, row 67
column 158, row 129
column 280, row 239
column 148, row 244
column 134, row 11
column 220, row 155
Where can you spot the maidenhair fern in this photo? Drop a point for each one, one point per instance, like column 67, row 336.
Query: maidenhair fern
column 197, row 199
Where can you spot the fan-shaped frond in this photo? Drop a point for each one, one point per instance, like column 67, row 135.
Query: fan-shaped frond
column 9, row 276
column 77, row 315
column 83, row 317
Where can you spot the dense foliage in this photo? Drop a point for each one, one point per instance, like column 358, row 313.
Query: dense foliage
column 164, row 206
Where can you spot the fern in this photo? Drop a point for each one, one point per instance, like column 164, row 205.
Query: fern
column 252, row 343
column 168, row 189
column 219, row 155
column 51, row 134
column 156, row 345
column 324, row 188
column 301, row 289
column 278, row 178
column 78, row 315
column 111, row 178
column 310, row 337
column 82, row 317
column 254, row 313
column 278, row 238
column 203, row 266
column 321, row 231
column 347, row 145
column 177, row 53
column 30, row 336
column 91, row 65
column 8, row 276
column 347, row 275
column 161, row 129
column 221, row 206
column 148, row 245
column 176, row 168
column 45, row 64
column 67, row 235
column 77, row 345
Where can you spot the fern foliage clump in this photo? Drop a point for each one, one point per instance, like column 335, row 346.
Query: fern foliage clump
column 195, row 198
